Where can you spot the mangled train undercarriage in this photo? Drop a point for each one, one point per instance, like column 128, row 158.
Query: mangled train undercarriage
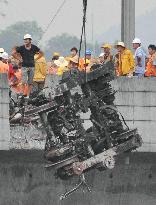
column 71, row 149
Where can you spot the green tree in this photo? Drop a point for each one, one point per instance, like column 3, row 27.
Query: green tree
column 13, row 35
column 62, row 44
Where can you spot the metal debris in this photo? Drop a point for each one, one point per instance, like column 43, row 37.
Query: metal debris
column 70, row 149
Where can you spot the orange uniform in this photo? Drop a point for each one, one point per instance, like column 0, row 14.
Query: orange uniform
column 16, row 82
column 151, row 67
column 4, row 68
column 82, row 64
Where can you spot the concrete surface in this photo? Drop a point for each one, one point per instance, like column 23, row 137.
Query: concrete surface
column 4, row 113
column 24, row 181
column 136, row 100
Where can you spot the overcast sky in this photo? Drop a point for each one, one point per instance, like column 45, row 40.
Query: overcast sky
column 105, row 14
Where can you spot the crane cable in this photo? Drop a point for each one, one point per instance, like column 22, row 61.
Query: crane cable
column 83, row 33
column 51, row 21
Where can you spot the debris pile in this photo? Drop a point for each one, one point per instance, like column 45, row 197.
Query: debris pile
column 70, row 149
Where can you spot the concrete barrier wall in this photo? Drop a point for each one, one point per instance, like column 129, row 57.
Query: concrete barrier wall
column 4, row 113
column 136, row 100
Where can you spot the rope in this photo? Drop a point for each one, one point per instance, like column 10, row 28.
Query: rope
column 81, row 43
column 51, row 21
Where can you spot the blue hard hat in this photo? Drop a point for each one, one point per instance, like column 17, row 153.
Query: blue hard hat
column 88, row 52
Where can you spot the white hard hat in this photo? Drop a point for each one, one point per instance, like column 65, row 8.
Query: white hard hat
column 5, row 56
column 27, row 36
column 137, row 40
column 101, row 55
column 1, row 50
column 120, row 44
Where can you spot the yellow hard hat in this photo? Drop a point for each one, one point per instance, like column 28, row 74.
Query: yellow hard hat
column 106, row 45
column 56, row 54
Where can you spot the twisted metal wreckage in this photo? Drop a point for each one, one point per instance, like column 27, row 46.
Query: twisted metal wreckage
column 70, row 149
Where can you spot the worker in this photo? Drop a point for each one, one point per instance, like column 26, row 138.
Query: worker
column 51, row 66
column 101, row 58
column 88, row 58
column 4, row 66
column 88, row 54
column 27, row 52
column 151, row 62
column 18, row 59
column 62, row 65
column 74, row 52
column 56, row 56
column 73, row 63
column 16, row 79
column 73, row 68
column 40, row 73
column 11, row 70
column 107, row 52
column 140, row 58
column 124, row 61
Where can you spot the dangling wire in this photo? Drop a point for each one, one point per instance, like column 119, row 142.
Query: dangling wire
column 53, row 18
column 85, row 42
column 83, row 33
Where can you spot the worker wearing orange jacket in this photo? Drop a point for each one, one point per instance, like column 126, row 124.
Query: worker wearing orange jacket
column 151, row 62
column 16, row 79
column 82, row 60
